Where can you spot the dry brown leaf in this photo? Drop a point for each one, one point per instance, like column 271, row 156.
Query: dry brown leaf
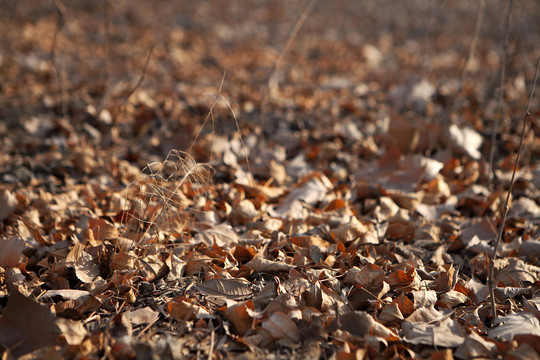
column 280, row 325
column 86, row 269
column 400, row 230
column 26, row 325
column 445, row 354
column 102, row 229
column 308, row 241
column 259, row 264
column 425, row 314
column 401, row 278
column 532, row 307
column 252, row 190
column 391, row 313
column 357, row 323
column 476, row 347
column 11, row 251
column 446, row 333
column 406, row 306
column 66, row 294
column 515, row 272
column 124, row 261
column 309, row 191
column 524, row 352
column 424, row 298
column 363, row 297
column 233, row 289
column 222, row 235
column 8, row 203
column 365, row 233
column 444, row 281
column 74, row 332
column 140, row 316
column 408, row 201
column 182, row 309
column 244, row 212
column 523, row 323
column 367, row 275
column 453, row 298
column 239, row 316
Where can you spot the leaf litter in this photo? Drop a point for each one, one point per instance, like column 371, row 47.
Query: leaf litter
column 145, row 215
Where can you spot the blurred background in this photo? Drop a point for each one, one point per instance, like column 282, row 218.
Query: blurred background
column 85, row 60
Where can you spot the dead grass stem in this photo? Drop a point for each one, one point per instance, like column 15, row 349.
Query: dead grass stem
column 506, row 208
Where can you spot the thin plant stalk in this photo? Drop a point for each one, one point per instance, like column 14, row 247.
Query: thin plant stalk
column 61, row 85
column 506, row 209
column 135, row 87
column 277, row 62
column 501, row 94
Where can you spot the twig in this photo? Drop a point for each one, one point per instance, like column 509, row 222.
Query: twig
column 210, row 115
column 277, row 62
column 506, row 209
column 61, row 87
column 137, row 84
column 501, row 93
column 212, row 340
column 472, row 50
column 106, row 50
column 252, row 180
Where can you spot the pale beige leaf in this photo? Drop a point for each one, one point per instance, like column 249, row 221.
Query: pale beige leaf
column 446, row 333
column 425, row 314
column 143, row 315
column 74, row 331
column 453, row 298
column 523, row 323
column 476, row 347
column 11, row 251
column 424, row 298
column 8, row 203
column 465, row 141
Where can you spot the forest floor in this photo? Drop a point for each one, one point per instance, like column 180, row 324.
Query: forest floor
column 169, row 190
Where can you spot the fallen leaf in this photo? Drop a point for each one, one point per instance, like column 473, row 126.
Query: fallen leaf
column 26, row 325
column 11, row 251
column 446, row 333
column 476, row 347
column 239, row 316
column 73, row 331
column 140, row 316
column 279, row 325
column 259, row 264
column 233, row 289
column 523, row 323
column 102, row 230
column 8, row 203
column 465, row 141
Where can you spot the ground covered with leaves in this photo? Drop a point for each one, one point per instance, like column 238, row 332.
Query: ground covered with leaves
column 166, row 194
